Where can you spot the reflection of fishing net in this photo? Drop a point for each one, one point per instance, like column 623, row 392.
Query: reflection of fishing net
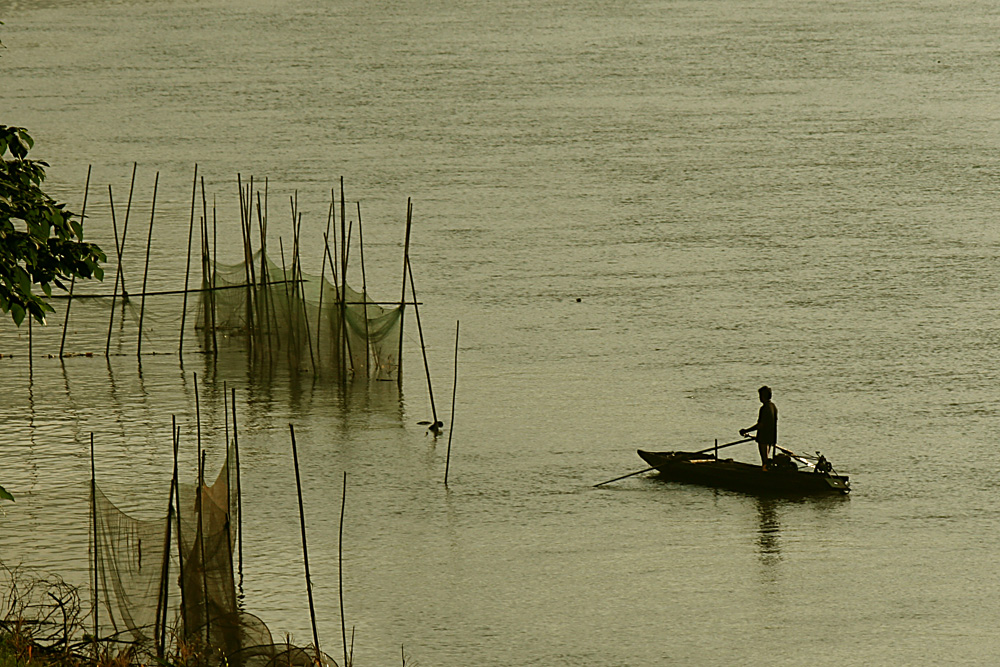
column 137, row 587
column 304, row 317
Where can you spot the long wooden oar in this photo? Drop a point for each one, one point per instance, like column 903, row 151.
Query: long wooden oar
column 703, row 451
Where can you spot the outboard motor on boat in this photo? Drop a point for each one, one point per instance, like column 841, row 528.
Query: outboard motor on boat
column 822, row 465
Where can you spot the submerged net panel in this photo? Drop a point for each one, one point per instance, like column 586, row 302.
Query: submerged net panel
column 207, row 538
column 130, row 566
column 306, row 319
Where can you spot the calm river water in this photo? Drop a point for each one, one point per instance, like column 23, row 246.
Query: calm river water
column 639, row 212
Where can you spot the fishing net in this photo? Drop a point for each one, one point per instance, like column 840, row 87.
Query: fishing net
column 284, row 313
column 134, row 564
column 130, row 569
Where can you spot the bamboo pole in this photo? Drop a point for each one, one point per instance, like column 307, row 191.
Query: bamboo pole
column 145, row 273
column 435, row 427
column 302, row 292
column 264, row 308
column 93, row 506
column 451, row 421
column 246, row 207
column 322, row 284
column 206, row 303
column 364, row 293
column 239, row 491
column 340, row 571
column 305, row 549
column 215, row 327
column 120, row 273
column 200, row 539
column 215, row 265
column 180, row 542
column 340, row 298
column 72, row 282
column 187, row 267
column 160, row 631
column 252, row 294
column 201, row 545
column 345, row 346
column 402, row 298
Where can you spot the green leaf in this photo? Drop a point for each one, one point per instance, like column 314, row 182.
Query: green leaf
column 17, row 312
column 5, row 495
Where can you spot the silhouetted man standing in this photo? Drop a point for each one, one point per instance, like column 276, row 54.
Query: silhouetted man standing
column 766, row 426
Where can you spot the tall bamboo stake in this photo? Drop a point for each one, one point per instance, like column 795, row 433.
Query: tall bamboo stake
column 201, row 546
column 120, row 274
column 145, row 273
column 451, row 421
column 293, row 340
column 187, row 267
column 423, row 349
column 345, row 342
column 239, row 491
column 93, row 505
column 245, row 210
column 340, row 571
column 402, row 298
column 364, row 292
column 215, row 340
column 322, row 284
column 206, row 287
column 305, row 549
column 199, row 502
column 180, row 541
column 160, row 631
column 252, row 295
column 302, row 292
column 72, row 282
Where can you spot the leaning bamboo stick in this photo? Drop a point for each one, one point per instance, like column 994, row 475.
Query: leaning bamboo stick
column 93, row 511
column 435, row 426
column 118, row 272
column 180, row 541
column 160, row 631
column 187, row 268
column 451, row 421
column 364, row 292
column 302, row 292
column 120, row 250
column 145, row 274
column 239, row 491
column 72, row 282
column 402, row 298
column 322, row 286
column 215, row 325
column 345, row 343
column 340, row 572
column 305, row 549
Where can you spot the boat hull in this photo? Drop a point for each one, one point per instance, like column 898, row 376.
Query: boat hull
column 699, row 468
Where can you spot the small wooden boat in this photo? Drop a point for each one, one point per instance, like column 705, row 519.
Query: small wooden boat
column 787, row 474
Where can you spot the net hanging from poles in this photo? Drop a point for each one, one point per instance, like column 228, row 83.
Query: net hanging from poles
column 187, row 580
column 285, row 313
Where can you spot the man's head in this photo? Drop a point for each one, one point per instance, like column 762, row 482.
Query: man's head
column 764, row 393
